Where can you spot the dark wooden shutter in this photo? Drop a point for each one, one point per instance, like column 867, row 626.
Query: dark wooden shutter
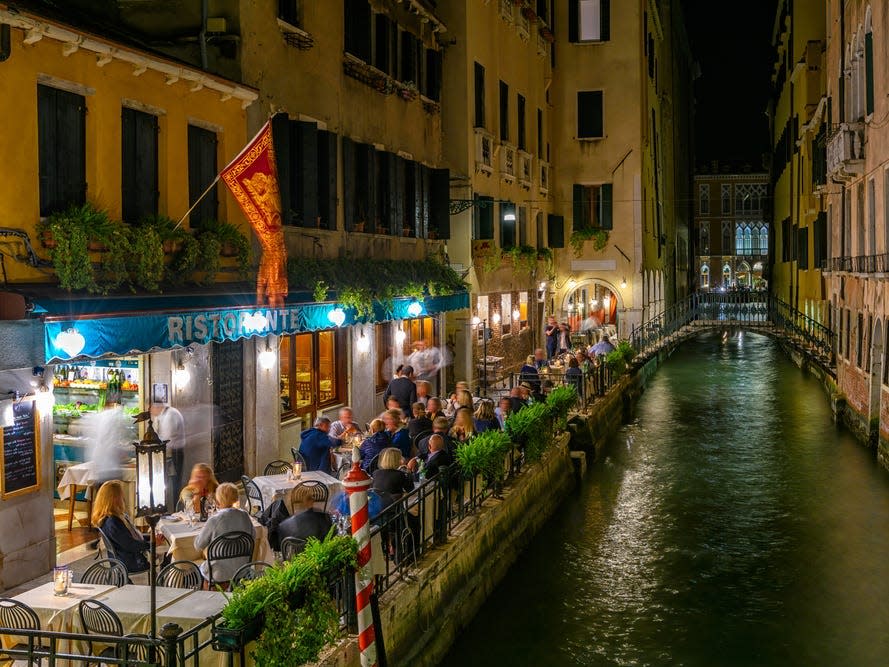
column 439, row 199
column 61, row 148
column 281, row 141
column 433, row 74
column 307, row 173
column 579, row 221
column 424, row 193
column 540, row 133
column 504, row 111
column 507, row 227
column 357, row 28
column 408, row 71
column 573, row 32
column 520, row 126
column 289, row 11
column 604, row 19
column 605, row 206
column 349, row 184
column 555, row 231
column 370, row 181
column 382, row 60
column 589, row 114
column 485, row 217
column 479, row 95
column 327, row 179
column 202, row 170
column 364, row 160
column 869, row 71
column 397, row 219
column 393, row 197
column 138, row 165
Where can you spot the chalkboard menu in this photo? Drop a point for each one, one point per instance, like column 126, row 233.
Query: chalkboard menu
column 20, row 453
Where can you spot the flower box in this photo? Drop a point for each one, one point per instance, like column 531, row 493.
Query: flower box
column 232, row 640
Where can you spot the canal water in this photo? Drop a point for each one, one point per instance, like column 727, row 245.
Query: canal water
column 730, row 524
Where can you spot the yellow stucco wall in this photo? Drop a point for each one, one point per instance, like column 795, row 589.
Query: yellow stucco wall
column 108, row 88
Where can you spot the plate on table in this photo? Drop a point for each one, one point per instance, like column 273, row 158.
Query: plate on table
column 172, row 518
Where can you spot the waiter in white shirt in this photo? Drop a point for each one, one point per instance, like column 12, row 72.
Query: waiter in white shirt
column 170, row 425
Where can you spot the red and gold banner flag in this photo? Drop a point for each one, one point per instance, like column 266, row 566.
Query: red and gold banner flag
column 253, row 179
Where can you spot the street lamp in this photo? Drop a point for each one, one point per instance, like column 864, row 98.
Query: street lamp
column 151, row 496
column 479, row 322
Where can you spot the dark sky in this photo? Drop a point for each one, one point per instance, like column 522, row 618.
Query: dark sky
column 731, row 41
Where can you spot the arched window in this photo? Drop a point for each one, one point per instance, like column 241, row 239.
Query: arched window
column 726, row 237
column 764, row 240
column 705, row 239
column 747, row 241
column 754, row 238
column 739, row 240
column 705, row 276
column 726, row 276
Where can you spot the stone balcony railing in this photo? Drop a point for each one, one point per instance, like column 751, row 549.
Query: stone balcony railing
column 845, row 151
column 859, row 264
column 323, row 243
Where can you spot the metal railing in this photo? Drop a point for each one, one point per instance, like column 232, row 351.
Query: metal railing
column 595, row 379
column 861, row 264
column 713, row 309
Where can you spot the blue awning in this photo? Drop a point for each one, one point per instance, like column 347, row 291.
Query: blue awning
column 96, row 335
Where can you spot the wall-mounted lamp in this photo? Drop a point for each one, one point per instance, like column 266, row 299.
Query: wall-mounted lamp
column 495, row 318
column 363, row 343
column 516, row 314
column 623, row 283
column 267, row 357
column 542, row 285
column 476, row 320
column 181, row 376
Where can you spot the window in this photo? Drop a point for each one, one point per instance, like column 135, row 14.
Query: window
column 859, row 339
column 555, row 231
column 540, row 133
column 505, row 314
column 704, row 199
column 507, row 225
column 482, row 312
column 433, row 75
column 726, row 193
column 385, row 354
column 786, row 241
column 202, row 170
column 871, row 217
column 590, row 115
column 705, row 239
column 483, row 218
column 592, row 206
column 288, row 11
column 522, row 225
column 312, row 371
column 479, row 95
column 138, row 176
column 726, row 276
column 749, row 198
column 504, row 112
column 705, row 276
column 384, row 27
column 523, row 309
column 869, row 69
column 520, row 125
column 409, row 59
column 819, row 241
column 802, row 248
column 589, row 20
column 61, row 147
column 726, row 238
column 307, row 172
column 848, row 332
column 356, row 27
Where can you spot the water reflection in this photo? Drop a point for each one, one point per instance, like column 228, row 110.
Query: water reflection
column 730, row 524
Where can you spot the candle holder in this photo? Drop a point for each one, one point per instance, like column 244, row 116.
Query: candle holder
column 297, row 470
column 61, row 580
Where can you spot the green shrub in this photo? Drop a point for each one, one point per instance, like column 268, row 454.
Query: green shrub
column 531, row 427
column 484, row 454
column 560, row 401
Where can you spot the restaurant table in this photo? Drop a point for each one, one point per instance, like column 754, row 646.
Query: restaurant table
column 132, row 604
column 180, row 535
column 188, row 612
column 58, row 613
column 82, row 474
column 270, row 486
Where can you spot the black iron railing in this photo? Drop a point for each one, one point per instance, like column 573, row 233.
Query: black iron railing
column 595, row 379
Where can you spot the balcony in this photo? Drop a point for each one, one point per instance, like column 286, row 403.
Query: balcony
column 507, row 162
column 544, row 176
column 541, row 44
column 523, row 26
column 484, row 151
column 506, row 10
column 525, row 171
column 861, row 264
column 845, row 152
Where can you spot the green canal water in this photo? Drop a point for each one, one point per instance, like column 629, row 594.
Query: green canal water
column 730, row 524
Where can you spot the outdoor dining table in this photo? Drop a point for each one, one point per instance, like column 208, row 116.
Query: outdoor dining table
column 58, row 613
column 83, row 475
column 180, row 535
column 272, row 486
column 132, row 604
column 188, row 612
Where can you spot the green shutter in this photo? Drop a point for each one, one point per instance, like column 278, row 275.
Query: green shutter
column 869, row 70
column 486, row 218
column 605, row 207
column 349, row 185
column 605, row 20
column 579, row 222
column 572, row 21
column 555, row 231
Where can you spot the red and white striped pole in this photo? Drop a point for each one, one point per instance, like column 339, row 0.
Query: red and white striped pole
column 357, row 482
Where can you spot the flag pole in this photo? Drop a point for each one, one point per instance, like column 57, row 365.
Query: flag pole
column 198, row 201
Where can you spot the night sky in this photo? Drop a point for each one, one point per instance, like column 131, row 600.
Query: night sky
column 731, row 41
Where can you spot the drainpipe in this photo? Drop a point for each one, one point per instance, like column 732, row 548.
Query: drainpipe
column 202, row 36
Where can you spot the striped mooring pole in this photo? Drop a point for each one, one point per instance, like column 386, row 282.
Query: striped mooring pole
column 357, row 482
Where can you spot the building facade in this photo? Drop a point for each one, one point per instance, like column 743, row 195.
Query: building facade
column 731, row 229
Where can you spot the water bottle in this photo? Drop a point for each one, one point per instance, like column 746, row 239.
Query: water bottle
column 203, row 508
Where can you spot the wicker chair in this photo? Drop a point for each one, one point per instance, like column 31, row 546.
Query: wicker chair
column 291, row 546
column 297, row 457
column 99, row 619
column 277, row 467
column 320, row 492
column 248, row 572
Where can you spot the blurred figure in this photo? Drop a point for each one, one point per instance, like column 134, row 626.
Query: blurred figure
column 376, row 443
column 501, row 412
column 315, row 445
column 344, row 426
column 423, row 391
column 170, row 425
column 109, row 436
column 305, row 521
column 484, row 417
column 202, row 483
column 551, row 333
column 425, row 360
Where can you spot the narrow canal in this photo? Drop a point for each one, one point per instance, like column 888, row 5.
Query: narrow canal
column 731, row 524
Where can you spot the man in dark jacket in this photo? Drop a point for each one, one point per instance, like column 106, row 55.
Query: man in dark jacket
column 440, row 427
column 305, row 521
column 315, row 445
column 403, row 390
column 438, row 456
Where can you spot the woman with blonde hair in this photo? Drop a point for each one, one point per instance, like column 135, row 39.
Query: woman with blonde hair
column 464, row 427
column 201, row 484
column 109, row 515
column 484, row 418
column 228, row 518
column 464, row 399
column 388, row 478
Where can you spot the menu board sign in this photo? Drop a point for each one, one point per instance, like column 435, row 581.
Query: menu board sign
column 20, row 452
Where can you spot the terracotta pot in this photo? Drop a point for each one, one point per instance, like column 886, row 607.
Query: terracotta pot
column 172, row 246
column 96, row 246
column 46, row 239
column 229, row 249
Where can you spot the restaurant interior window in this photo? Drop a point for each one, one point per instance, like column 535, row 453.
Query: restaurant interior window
column 311, row 372
column 422, row 349
column 482, row 312
column 523, row 309
column 505, row 314
column 385, row 354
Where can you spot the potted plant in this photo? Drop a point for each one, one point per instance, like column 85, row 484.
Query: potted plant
column 232, row 243
column 560, row 401
column 209, row 252
column 148, row 250
column 185, row 260
column 599, row 237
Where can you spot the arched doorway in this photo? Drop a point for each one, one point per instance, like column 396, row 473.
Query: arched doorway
column 589, row 304
column 876, row 377
column 705, row 277
column 726, row 276
column 743, row 275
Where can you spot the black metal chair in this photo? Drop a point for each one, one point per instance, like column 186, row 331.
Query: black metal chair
column 344, row 469
column 19, row 616
column 99, row 619
column 291, row 546
column 110, row 551
column 418, row 439
column 373, row 465
column 320, row 492
column 181, row 574
column 229, row 546
column 107, row 572
column 254, row 496
column 248, row 572
column 297, row 457
column 277, row 467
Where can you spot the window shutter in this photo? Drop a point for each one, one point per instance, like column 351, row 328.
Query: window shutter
column 869, row 71
column 391, row 220
column 605, row 20
column 370, row 182
column 572, row 21
column 479, row 95
column 433, row 74
column 71, row 149
column 281, row 141
column 486, row 218
column 504, row 112
column 439, row 199
column 307, row 173
column 555, row 231
column 47, row 140
column 138, row 165
column 381, row 47
column 327, row 179
column 605, row 206
column 589, row 114
column 424, row 196
column 507, row 227
column 397, row 220
column 349, row 185
column 579, row 221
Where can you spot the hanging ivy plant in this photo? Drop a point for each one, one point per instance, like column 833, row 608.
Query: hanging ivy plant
column 148, row 250
column 524, row 259
column 579, row 237
column 209, row 247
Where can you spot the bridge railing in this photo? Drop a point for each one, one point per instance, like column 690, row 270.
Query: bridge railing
column 732, row 308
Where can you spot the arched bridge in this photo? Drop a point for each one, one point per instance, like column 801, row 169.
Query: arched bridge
column 753, row 311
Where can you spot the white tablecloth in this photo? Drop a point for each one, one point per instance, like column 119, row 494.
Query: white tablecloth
column 189, row 611
column 180, row 535
column 132, row 603
column 271, row 485
column 82, row 475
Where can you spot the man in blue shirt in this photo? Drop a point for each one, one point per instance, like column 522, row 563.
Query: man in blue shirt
column 315, row 445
